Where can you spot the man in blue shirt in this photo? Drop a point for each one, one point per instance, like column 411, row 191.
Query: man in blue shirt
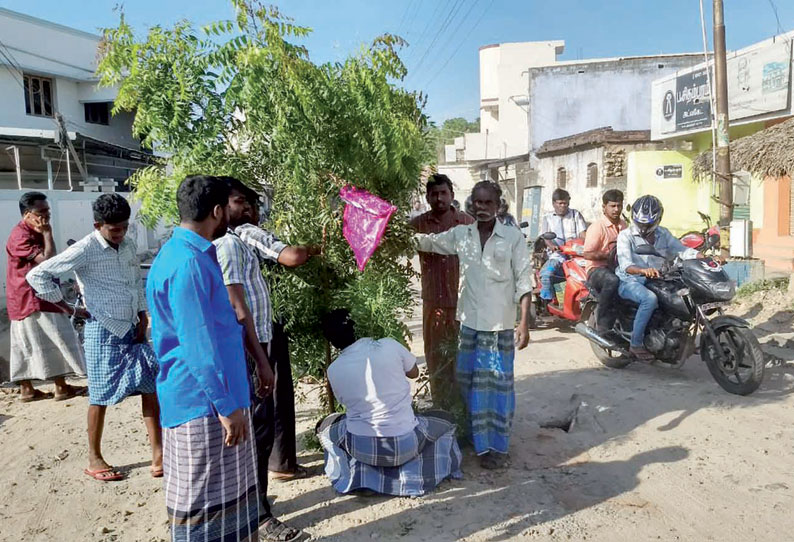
column 203, row 384
column 634, row 269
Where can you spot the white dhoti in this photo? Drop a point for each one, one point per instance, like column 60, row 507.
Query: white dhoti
column 44, row 346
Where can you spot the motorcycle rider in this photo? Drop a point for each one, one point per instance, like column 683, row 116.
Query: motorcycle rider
column 634, row 269
column 568, row 224
column 599, row 241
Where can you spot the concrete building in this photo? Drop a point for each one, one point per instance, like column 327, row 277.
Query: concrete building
column 528, row 97
column 759, row 97
column 47, row 74
column 586, row 165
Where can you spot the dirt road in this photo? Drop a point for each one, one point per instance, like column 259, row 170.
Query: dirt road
column 651, row 454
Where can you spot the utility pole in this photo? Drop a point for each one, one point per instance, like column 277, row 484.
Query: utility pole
column 722, row 167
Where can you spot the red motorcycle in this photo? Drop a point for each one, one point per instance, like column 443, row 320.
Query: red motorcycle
column 575, row 278
column 705, row 240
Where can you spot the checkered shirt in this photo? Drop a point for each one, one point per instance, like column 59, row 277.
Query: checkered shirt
column 263, row 243
column 240, row 265
column 110, row 280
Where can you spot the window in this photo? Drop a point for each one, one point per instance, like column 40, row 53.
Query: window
column 97, row 113
column 592, row 174
column 562, row 177
column 38, row 95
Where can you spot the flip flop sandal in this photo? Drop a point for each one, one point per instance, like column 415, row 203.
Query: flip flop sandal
column 275, row 531
column 104, row 475
column 299, row 473
column 156, row 472
column 75, row 391
column 38, row 395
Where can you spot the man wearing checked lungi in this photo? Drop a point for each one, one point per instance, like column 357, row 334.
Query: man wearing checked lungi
column 496, row 275
column 203, row 383
column 119, row 360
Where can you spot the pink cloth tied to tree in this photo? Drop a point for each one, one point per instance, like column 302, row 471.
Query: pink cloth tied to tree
column 365, row 219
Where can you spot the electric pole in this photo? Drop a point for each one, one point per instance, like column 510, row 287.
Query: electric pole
column 722, row 167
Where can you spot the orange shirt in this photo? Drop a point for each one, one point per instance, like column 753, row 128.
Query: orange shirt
column 601, row 237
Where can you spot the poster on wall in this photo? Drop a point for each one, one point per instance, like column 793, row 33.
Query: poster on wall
column 759, row 81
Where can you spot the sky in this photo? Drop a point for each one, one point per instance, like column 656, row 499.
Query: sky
column 444, row 35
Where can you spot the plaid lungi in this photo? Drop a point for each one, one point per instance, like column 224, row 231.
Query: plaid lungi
column 210, row 489
column 117, row 367
column 485, row 378
column 409, row 465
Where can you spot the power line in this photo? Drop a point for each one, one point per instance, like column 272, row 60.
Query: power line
column 426, row 31
column 452, row 38
column 452, row 13
column 463, row 41
column 5, row 52
column 777, row 17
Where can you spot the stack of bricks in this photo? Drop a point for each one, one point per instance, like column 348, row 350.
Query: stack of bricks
column 615, row 163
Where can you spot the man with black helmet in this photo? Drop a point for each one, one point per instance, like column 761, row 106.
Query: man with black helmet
column 634, row 269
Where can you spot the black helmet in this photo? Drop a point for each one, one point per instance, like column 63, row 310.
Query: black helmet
column 646, row 213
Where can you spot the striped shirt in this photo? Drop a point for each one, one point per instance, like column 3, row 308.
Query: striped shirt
column 240, row 265
column 109, row 278
column 263, row 243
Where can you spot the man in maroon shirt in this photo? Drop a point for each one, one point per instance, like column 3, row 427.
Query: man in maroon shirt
column 440, row 276
column 44, row 345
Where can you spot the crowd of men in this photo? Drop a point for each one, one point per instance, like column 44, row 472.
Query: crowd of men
column 215, row 381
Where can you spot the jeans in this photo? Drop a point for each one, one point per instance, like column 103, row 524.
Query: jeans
column 646, row 299
column 551, row 274
column 606, row 282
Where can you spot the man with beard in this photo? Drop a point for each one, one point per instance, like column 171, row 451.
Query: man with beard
column 250, row 297
column 496, row 273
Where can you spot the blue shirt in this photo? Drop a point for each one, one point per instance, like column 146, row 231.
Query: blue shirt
column 195, row 333
column 664, row 242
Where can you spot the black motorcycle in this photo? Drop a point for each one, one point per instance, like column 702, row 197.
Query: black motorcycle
column 692, row 295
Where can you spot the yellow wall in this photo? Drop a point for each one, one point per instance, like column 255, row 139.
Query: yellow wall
column 682, row 198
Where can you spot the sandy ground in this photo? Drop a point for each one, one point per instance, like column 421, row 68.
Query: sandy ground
column 653, row 454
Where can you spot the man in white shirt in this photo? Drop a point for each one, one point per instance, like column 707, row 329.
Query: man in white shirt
column 567, row 224
column 496, row 274
column 379, row 444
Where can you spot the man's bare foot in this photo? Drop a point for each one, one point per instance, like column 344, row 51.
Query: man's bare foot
column 157, row 465
column 34, row 395
column 62, row 393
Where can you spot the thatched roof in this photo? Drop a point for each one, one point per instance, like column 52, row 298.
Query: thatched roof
column 768, row 153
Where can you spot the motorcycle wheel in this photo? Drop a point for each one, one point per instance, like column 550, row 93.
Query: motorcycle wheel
column 611, row 359
column 745, row 369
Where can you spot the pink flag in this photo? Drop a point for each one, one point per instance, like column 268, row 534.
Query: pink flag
column 366, row 216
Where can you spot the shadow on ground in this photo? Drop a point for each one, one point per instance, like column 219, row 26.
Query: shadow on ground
column 551, row 474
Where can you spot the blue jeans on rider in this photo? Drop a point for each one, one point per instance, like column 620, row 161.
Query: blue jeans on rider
column 634, row 290
column 551, row 274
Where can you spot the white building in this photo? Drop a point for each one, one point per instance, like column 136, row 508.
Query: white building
column 528, row 97
column 48, row 69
